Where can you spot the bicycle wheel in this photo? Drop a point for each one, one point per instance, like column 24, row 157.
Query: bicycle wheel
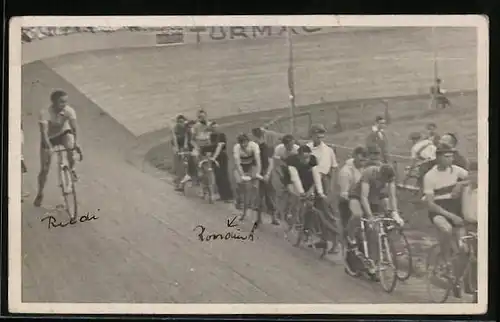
column 353, row 265
column 386, row 268
column 211, row 186
column 439, row 277
column 470, row 279
column 69, row 192
column 402, row 254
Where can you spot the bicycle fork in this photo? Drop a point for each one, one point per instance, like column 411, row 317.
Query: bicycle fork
column 367, row 261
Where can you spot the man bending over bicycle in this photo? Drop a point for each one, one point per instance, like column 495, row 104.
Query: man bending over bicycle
column 303, row 173
column 445, row 186
column 248, row 166
column 57, row 127
column 374, row 193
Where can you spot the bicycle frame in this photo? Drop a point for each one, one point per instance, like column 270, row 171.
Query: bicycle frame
column 377, row 221
column 207, row 178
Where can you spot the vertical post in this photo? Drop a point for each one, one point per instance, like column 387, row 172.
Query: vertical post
column 435, row 53
column 291, row 83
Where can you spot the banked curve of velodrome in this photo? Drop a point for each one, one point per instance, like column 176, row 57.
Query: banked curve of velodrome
column 126, row 256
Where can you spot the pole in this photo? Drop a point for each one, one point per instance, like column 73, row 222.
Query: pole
column 435, row 53
column 291, row 83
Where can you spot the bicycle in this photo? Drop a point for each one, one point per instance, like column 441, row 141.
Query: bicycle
column 318, row 225
column 66, row 180
column 184, row 156
column 207, row 179
column 250, row 193
column 446, row 279
column 362, row 261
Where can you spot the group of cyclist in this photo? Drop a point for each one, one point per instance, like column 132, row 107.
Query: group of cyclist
column 365, row 185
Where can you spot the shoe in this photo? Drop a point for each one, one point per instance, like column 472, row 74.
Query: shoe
column 38, row 200
column 185, row 179
column 330, row 248
column 275, row 221
column 74, row 176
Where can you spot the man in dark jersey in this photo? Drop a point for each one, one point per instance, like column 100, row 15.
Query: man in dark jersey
column 218, row 150
column 302, row 172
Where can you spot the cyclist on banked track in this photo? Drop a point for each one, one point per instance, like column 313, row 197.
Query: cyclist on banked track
column 375, row 192
column 57, row 127
column 247, row 162
column 445, row 187
column 301, row 171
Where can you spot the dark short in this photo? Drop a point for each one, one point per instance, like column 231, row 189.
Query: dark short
column 24, row 169
column 452, row 205
column 57, row 140
column 207, row 149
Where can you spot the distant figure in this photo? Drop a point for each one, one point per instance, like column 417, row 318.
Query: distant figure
column 377, row 137
column 432, row 134
column 438, row 99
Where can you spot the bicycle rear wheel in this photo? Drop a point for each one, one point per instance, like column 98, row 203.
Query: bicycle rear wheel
column 386, row 267
column 402, row 254
column 353, row 265
column 470, row 279
column 69, row 192
column 439, row 277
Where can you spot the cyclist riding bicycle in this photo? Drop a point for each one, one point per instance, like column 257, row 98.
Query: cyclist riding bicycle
column 248, row 166
column 375, row 192
column 445, row 186
column 302, row 173
column 57, row 127
column 349, row 175
column 201, row 137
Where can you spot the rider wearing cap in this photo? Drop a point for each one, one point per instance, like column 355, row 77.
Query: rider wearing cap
column 247, row 163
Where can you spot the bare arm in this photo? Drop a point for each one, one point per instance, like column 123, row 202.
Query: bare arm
column 344, row 180
column 294, row 177
column 44, row 131
column 317, row 180
column 365, row 191
column 237, row 160
column 257, row 158
column 220, row 145
column 74, row 128
column 392, row 196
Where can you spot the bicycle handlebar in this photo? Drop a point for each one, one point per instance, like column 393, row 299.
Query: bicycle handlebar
column 76, row 148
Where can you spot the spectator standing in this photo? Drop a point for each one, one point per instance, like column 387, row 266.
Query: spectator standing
column 378, row 137
column 218, row 142
column 327, row 161
column 432, row 134
column 265, row 188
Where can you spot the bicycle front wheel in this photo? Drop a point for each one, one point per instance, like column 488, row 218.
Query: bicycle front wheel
column 439, row 276
column 69, row 192
column 387, row 269
column 402, row 254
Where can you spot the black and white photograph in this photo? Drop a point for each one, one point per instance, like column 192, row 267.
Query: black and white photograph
column 248, row 164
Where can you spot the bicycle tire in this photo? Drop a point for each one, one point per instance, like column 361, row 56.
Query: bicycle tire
column 210, row 186
column 69, row 192
column 404, row 269
column 387, row 248
column 353, row 266
column 470, row 278
column 434, row 256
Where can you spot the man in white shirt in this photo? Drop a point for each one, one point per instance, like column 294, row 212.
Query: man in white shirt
column 422, row 150
column 327, row 161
